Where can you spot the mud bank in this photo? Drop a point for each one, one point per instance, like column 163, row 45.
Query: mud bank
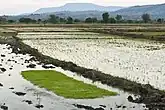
column 150, row 96
column 127, row 34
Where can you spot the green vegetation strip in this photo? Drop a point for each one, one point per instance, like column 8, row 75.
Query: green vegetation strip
column 64, row 86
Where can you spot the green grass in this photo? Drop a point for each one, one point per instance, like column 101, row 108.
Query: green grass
column 63, row 85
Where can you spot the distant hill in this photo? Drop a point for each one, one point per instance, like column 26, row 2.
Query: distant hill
column 73, row 7
column 135, row 12
column 83, row 10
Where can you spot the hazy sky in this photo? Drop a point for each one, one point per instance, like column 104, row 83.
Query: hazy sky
column 26, row 6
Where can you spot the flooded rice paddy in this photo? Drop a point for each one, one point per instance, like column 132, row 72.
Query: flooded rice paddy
column 13, row 82
column 137, row 60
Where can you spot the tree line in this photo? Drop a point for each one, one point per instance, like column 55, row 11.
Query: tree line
column 106, row 18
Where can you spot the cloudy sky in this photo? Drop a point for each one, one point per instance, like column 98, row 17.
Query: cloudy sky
column 26, row 6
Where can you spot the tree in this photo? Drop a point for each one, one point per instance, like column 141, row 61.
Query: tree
column 91, row 20
column 105, row 17
column 146, row 18
column 39, row 21
column 118, row 17
column 53, row 19
column 33, row 21
column 69, row 20
column 160, row 20
column 10, row 21
column 26, row 20
column 62, row 20
column 77, row 20
column 112, row 20
column 88, row 20
column 130, row 21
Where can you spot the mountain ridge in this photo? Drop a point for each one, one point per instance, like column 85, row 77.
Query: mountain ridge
column 78, row 7
column 156, row 11
column 130, row 13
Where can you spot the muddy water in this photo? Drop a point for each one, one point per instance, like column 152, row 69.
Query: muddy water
column 140, row 61
column 49, row 100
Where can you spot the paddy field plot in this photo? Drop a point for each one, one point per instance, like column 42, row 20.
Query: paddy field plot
column 140, row 61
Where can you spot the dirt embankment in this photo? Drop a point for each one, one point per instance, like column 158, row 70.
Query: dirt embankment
column 126, row 34
column 153, row 98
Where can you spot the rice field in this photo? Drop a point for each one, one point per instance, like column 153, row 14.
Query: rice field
column 139, row 60
column 142, row 61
